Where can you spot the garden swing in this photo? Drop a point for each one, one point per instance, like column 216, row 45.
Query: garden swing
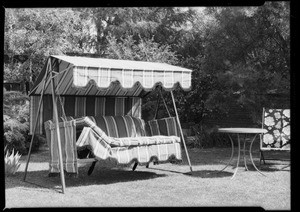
column 101, row 110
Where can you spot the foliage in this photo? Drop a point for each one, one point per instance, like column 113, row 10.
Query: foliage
column 237, row 51
column 246, row 48
column 16, row 135
column 16, row 122
column 39, row 32
column 206, row 136
column 146, row 50
column 16, row 105
column 163, row 24
column 11, row 162
column 233, row 51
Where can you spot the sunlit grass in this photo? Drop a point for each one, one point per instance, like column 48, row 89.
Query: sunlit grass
column 159, row 185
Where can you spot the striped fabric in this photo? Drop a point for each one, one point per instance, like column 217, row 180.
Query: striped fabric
column 147, row 78
column 127, row 155
column 114, row 126
column 123, row 150
column 83, row 106
column 80, row 106
column 125, row 142
column 34, row 104
column 68, row 144
column 98, row 76
column 146, row 140
column 166, row 126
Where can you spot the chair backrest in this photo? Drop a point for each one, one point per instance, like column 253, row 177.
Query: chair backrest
column 277, row 123
column 118, row 126
column 166, row 126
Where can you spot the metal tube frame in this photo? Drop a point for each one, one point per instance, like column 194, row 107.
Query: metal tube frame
column 35, row 125
column 178, row 121
column 55, row 118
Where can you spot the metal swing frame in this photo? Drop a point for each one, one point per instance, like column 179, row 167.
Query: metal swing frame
column 49, row 78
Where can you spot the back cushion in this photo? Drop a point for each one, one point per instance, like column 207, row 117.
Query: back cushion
column 165, row 126
column 120, row 126
column 277, row 124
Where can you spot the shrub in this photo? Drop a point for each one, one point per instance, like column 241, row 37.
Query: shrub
column 16, row 121
column 15, row 135
column 206, row 136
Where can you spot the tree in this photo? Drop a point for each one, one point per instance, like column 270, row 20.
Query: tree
column 146, row 50
column 238, row 50
column 38, row 33
column 163, row 24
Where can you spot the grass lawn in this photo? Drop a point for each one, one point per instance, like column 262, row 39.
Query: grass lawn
column 159, row 185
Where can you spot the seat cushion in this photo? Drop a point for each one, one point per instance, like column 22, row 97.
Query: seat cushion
column 144, row 141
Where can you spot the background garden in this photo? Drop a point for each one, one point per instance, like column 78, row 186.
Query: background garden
column 240, row 57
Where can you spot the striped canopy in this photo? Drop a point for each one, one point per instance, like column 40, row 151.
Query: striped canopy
column 84, row 76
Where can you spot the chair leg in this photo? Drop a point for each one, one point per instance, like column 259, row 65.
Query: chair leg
column 53, row 174
column 91, row 169
column 262, row 158
column 134, row 166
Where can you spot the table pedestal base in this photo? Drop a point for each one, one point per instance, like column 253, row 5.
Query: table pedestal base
column 244, row 155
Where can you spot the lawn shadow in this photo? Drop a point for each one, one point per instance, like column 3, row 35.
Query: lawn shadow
column 209, row 174
column 220, row 156
column 110, row 176
column 102, row 176
column 274, row 167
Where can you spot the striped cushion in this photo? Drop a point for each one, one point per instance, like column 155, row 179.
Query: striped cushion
column 117, row 126
column 164, row 152
column 68, row 145
column 124, row 141
column 165, row 126
column 146, row 140
column 87, row 122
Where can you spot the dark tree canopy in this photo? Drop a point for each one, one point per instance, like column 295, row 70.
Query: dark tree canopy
column 238, row 54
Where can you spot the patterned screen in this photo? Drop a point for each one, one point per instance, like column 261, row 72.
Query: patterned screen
column 277, row 123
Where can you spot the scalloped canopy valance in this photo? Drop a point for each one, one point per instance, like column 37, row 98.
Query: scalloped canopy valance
column 109, row 77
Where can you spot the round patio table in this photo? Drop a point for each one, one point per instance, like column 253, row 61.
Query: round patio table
column 238, row 131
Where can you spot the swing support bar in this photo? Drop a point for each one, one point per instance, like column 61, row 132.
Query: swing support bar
column 55, row 118
column 178, row 121
column 35, row 125
column 49, row 78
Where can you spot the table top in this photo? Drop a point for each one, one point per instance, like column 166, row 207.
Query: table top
column 242, row 130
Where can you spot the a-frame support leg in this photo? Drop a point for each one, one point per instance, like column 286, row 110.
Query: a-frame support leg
column 56, row 121
column 46, row 78
column 178, row 121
